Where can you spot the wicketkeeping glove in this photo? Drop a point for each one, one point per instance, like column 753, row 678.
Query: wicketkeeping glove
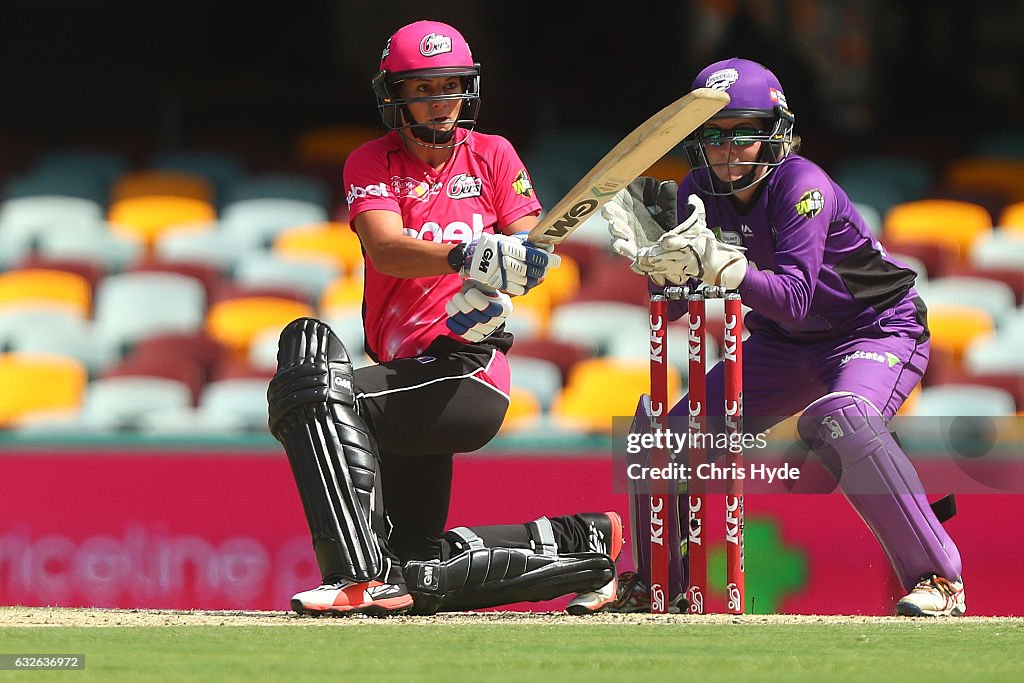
column 692, row 250
column 476, row 311
column 509, row 264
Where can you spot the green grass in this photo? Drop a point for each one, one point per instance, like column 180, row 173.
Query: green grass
column 929, row 651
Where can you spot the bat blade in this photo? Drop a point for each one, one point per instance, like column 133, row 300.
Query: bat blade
column 650, row 141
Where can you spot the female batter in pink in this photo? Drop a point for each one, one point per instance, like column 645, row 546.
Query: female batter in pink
column 441, row 211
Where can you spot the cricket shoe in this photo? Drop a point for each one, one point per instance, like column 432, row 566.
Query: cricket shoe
column 934, row 596
column 635, row 597
column 604, row 535
column 373, row 598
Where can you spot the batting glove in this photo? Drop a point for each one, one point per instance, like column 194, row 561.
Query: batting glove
column 476, row 311
column 507, row 263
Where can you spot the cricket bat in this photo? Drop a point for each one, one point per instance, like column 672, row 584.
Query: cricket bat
column 626, row 161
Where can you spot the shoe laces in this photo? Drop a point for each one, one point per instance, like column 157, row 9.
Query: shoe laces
column 936, row 583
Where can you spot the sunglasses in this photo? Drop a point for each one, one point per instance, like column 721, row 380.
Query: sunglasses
column 741, row 137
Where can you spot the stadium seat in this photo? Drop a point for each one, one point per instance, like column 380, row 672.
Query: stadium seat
column 1009, row 381
column 562, row 283
column 92, row 272
column 267, row 268
column 993, row 296
column 602, row 388
column 257, row 222
column 119, row 403
column 1011, row 218
column 1012, row 277
column 157, row 183
column 963, row 400
column 58, row 332
column 333, row 241
column 524, row 411
column 199, row 243
column 872, row 217
column 951, row 224
column 999, row 249
column 542, row 378
column 635, row 345
column 873, row 192
column 938, row 259
column 298, row 186
column 182, row 369
column 222, row 170
column 564, row 354
column 132, row 306
column 1005, row 175
column 207, row 274
column 955, row 326
column 197, row 347
column 595, row 323
column 44, row 288
column 241, row 400
column 60, row 183
column 531, row 312
column 341, row 296
column 37, row 213
column 236, row 322
column 146, row 217
column 31, row 383
column 110, row 251
column 611, row 280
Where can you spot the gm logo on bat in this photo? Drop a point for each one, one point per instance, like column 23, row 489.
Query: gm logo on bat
column 571, row 218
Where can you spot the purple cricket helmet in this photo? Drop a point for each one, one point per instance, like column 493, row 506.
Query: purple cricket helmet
column 426, row 49
column 754, row 93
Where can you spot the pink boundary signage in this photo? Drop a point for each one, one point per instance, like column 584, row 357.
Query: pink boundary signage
column 224, row 530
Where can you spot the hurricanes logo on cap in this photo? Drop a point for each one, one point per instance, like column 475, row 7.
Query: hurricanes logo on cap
column 435, row 44
column 722, row 79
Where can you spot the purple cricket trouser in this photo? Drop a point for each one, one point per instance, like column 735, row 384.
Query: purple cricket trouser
column 780, row 378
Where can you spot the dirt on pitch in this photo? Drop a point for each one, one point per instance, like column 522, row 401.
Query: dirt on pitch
column 62, row 616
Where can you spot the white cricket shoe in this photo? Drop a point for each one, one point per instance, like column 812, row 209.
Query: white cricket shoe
column 934, row 596
column 374, row 598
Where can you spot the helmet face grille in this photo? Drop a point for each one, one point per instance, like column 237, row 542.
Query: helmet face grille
column 426, row 49
column 755, row 93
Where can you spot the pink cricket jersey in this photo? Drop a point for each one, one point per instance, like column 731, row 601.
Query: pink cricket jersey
column 482, row 189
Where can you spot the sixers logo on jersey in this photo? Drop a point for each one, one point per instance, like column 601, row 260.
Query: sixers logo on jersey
column 464, row 186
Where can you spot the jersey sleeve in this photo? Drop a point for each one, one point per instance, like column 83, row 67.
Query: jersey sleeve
column 514, row 196
column 366, row 180
column 802, row 209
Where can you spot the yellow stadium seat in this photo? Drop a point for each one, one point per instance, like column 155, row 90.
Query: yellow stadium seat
column 147, row 218
column 42, row 287
column 668, row 168
column 602, row 388
column 954, row 225
column 343, row 295
column 162, row 183
column 331, row 144
column 237, row 322
column 954, row 327
column 31, row 383
column 1012, row 217
column 562, row 282
column 524, row 410
column 335, row 242
column 1004, row 176
column 537, row 304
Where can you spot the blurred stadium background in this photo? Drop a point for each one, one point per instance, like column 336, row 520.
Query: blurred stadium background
column 171, row 198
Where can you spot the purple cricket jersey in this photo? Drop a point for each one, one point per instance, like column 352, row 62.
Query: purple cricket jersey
column 818, row 271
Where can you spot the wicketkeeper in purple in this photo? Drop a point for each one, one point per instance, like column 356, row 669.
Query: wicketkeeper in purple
column 837, row 332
